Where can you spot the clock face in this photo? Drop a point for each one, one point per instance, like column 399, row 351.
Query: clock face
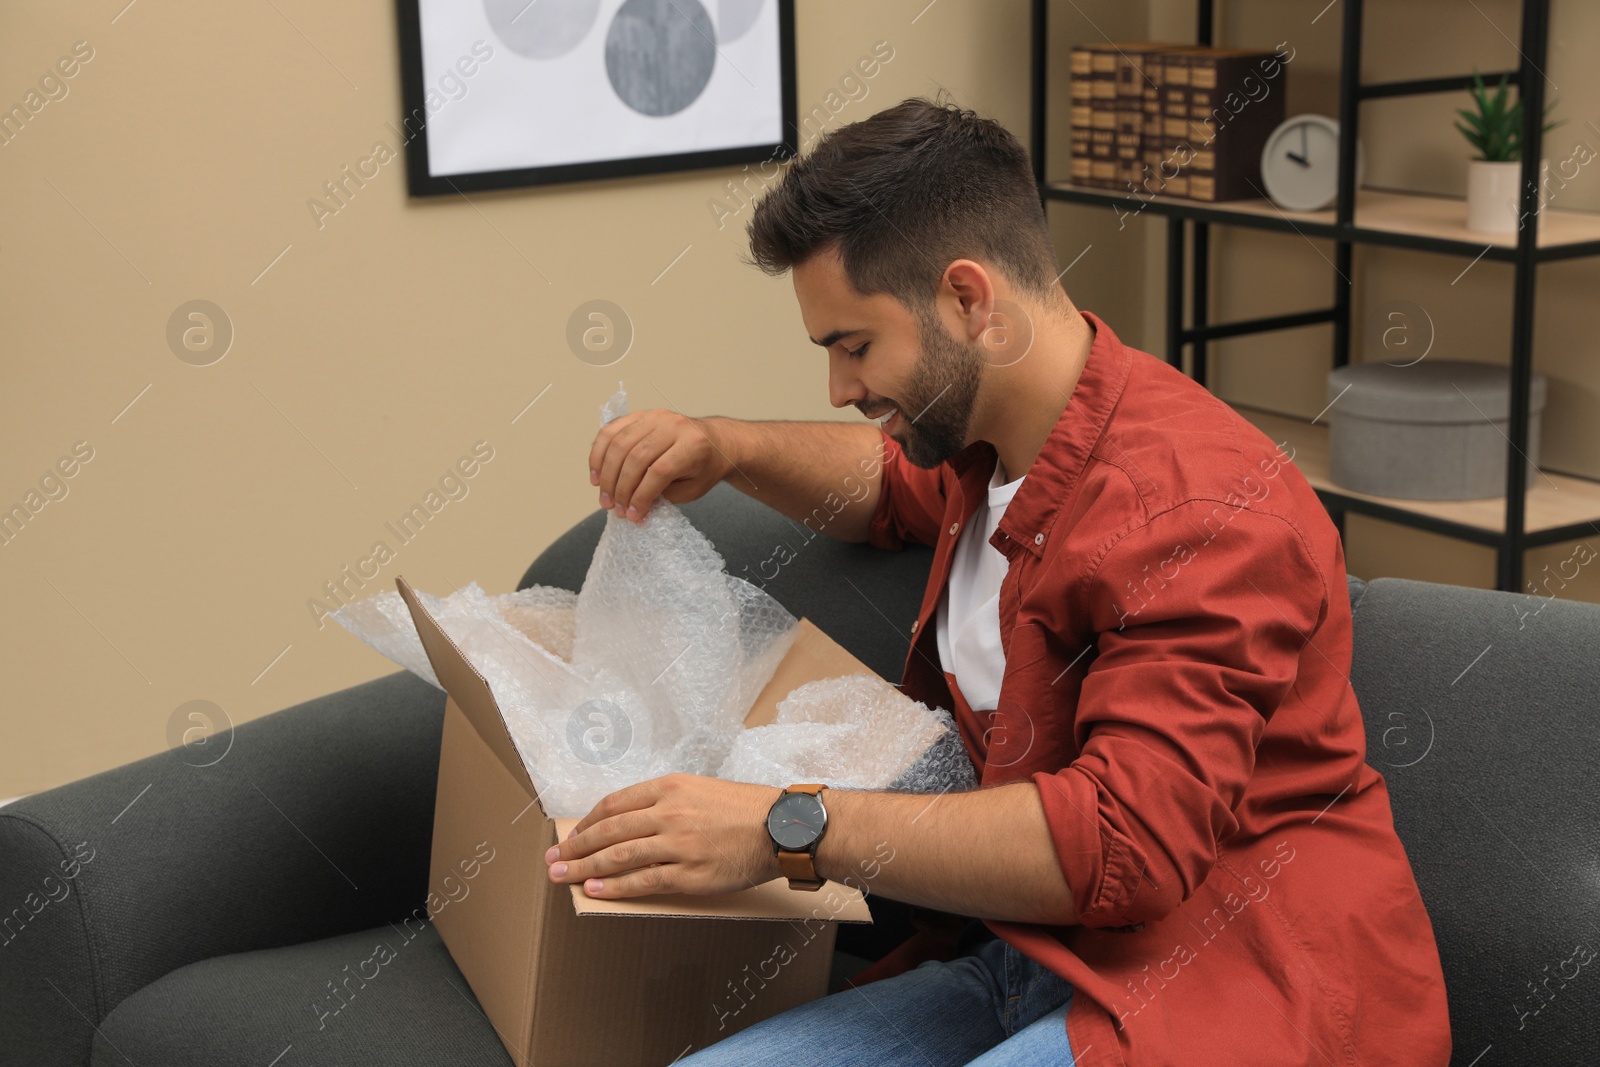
column 1300, row 165
column 796, row 820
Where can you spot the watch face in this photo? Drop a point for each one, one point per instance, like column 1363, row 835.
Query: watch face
column 1300, row 166
column 796, row 821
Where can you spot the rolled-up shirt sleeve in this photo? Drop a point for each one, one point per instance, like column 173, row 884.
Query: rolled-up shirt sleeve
column 1201, row 617
column 911, row 501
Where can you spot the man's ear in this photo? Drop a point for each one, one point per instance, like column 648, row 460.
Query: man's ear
column 973, row 289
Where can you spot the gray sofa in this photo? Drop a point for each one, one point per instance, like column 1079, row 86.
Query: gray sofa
column 208, row 922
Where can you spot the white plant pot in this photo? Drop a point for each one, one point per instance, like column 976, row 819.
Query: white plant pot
column 1492, row 196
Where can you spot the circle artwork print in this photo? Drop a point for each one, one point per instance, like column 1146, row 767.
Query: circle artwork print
column 735, row 17
column 541, row 29
column 660, row 54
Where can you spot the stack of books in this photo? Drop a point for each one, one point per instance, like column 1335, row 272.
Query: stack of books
column 1159, row 119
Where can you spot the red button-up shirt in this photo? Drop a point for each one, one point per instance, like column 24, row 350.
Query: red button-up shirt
column 1177, row 634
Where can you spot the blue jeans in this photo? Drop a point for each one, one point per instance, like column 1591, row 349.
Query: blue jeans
column 993, row 1007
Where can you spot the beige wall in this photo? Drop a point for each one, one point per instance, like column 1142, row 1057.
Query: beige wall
column 369, row 358
column 376, row 350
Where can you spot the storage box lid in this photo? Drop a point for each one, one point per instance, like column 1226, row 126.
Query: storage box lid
column 1435, row 390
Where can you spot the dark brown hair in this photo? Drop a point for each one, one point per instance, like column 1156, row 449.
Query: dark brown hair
column 905, row 193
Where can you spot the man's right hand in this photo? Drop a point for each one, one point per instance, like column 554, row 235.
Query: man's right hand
column 643, row 455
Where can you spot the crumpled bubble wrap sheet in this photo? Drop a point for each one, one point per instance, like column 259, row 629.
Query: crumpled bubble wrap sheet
column 855, row 732
column 651, row 670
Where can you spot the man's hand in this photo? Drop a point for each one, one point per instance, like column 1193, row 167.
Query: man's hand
column 645, row 454
column 680, row 833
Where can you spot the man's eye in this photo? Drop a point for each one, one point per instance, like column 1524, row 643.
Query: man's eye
column 859, row 352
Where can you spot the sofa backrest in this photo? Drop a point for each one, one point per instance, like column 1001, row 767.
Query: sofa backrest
column 1483, row 715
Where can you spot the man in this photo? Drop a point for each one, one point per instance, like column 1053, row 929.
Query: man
column 1139, row 616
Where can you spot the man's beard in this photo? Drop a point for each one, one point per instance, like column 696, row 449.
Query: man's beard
column 939, row 396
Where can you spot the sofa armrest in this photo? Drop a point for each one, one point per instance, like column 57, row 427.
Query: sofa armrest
column 317, row 821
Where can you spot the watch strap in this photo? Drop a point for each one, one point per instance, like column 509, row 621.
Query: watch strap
column 800, row 870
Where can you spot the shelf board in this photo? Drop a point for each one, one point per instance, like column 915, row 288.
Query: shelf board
column 1553, row 500
column 1408, row 220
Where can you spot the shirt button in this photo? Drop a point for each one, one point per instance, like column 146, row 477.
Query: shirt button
column 914, row 625
column 954, row 526
column 1038, row 539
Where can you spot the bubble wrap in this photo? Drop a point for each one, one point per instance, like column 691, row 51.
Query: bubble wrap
column 652, row 668
column 543, row 614
column 855, row 732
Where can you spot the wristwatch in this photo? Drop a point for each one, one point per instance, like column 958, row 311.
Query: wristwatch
column 796, row 822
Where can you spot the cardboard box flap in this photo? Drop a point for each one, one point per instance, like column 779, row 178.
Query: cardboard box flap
column 770, row 900
column 469, row 689
column 813, row 656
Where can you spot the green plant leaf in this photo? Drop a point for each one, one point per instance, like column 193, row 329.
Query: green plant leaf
column 1473, row 140
column 1548, row 126
column 1495, row 128
column 1500, row 97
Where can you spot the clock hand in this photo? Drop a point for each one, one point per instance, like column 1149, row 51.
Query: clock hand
column 1302, row 160
column 1305, row 149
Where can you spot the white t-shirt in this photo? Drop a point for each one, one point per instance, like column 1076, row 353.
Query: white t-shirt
column 969, row 609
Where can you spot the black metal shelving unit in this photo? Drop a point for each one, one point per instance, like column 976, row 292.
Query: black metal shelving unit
column 1513, row 537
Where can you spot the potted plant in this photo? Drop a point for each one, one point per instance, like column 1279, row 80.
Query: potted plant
column 1495, row 130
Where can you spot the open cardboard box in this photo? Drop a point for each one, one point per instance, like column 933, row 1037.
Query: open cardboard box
column 568, row 980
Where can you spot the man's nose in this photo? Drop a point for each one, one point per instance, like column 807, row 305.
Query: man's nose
column 844, row 388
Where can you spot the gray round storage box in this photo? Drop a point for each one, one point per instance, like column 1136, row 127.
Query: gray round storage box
column 1435, row 430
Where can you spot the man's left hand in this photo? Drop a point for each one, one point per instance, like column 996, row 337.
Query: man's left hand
column 680, row 833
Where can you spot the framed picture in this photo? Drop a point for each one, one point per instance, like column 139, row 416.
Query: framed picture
column 504, row 93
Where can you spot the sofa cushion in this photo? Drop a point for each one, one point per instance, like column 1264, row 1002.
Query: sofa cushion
column 381, row 997
column 373, row 998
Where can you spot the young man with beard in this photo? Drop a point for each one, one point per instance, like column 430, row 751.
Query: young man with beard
column 1139, row 617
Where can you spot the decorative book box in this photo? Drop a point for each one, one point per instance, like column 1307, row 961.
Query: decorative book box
column 1161, row 118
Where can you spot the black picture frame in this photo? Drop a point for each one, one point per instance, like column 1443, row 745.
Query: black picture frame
column 414, row 128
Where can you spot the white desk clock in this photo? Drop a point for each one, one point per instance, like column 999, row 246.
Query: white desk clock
column 1300, row 163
